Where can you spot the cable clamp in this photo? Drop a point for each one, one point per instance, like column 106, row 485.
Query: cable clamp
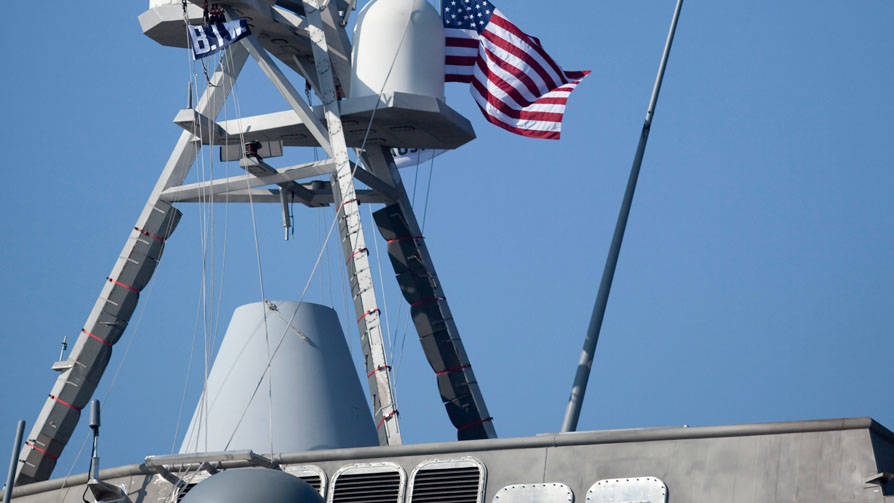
column 359, row 250
column 371, row 311
column 378, row 369
column 393, row 413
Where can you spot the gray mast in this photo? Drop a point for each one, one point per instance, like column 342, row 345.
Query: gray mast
column 311, row 40
column 579, row 388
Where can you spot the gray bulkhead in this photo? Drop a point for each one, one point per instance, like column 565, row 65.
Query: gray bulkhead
column 840, row 460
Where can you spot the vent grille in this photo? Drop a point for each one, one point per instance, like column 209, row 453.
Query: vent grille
column 446, row 485
column 313, row 480
column 378, row 487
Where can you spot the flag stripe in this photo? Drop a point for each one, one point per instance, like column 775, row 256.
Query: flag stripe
column 528, row 86
column 461, row 42
column 530, row 133
column 460, row 60
column 522, row 50
column 504, row 23
column 524, row 65
column 515, row 83
column 486, row 95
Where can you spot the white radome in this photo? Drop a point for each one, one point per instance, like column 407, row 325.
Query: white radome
column 398, row 46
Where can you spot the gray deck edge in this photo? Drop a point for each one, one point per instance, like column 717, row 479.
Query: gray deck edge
column 544, row 440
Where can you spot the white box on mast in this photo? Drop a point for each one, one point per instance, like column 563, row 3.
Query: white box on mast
column 398, row 46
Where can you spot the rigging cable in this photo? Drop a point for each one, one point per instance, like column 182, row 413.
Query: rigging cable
column 375, row 241
column 251, row 205
column 403, row 339
column 325, row 242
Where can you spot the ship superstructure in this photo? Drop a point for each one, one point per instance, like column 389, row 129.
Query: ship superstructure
column 373, row 101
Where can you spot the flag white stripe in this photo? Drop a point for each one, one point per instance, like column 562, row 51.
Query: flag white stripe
column 495, row 90
column 529, row 74
column 501, row 95
column 533, row 125
column 523, row 68
column 461, row 51
column 457, row 70
column 460, row 33
column 524, row 46
column 543, row 125
column 553, row 108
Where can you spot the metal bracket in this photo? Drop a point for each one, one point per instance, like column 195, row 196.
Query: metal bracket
column 103, row 492
column 881, row 478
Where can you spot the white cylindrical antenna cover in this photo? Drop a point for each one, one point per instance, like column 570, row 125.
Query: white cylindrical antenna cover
column 398, row 46
column 317, row 400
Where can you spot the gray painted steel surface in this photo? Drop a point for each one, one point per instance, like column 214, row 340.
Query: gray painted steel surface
column 807, row 461
column 13, row 461
column 252, row 484
column 353, row 241
column 317, row 400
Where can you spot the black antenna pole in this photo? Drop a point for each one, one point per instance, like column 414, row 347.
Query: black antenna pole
column 579, row 388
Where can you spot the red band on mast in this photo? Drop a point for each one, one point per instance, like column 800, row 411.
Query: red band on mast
column 425, row 301
column 453, row 369
column 147, row 233
column 63, row 402
column 361, row 250
column 132, row 289
column 405, row 238
column 343, row 203
column 378, row 369
column 31, row 445
column 107, row 343
column 381, row 421
column 371, row 311
column 474, row 423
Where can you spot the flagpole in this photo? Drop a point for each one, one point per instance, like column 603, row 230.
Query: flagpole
column 579, row 388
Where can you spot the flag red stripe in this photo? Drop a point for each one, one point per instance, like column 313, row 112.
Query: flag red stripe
column 518, row 74
column 495, row 39
column 460, row 60
column 513, row 112
column 496, row 80
column 551, row 101
column 460, row 42
column 516, row 84
column 511, row 28
column 530, row 133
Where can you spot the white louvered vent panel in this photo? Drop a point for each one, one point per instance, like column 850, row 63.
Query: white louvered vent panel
column 379, row 487
column 447, row 485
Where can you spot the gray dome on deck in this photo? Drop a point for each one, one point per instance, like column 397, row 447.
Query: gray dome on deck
column 242, row 485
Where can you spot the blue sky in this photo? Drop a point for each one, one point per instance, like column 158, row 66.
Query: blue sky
column 755, row 282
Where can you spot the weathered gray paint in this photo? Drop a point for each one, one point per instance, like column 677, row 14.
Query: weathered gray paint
column 823, row 461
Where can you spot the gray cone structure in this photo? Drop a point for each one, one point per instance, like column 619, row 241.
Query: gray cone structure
column 309, row 398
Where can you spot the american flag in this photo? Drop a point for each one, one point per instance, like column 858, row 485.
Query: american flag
column 514, row 81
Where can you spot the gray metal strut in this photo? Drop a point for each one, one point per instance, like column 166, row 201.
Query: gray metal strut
column 431, row 315
column 88, row 359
